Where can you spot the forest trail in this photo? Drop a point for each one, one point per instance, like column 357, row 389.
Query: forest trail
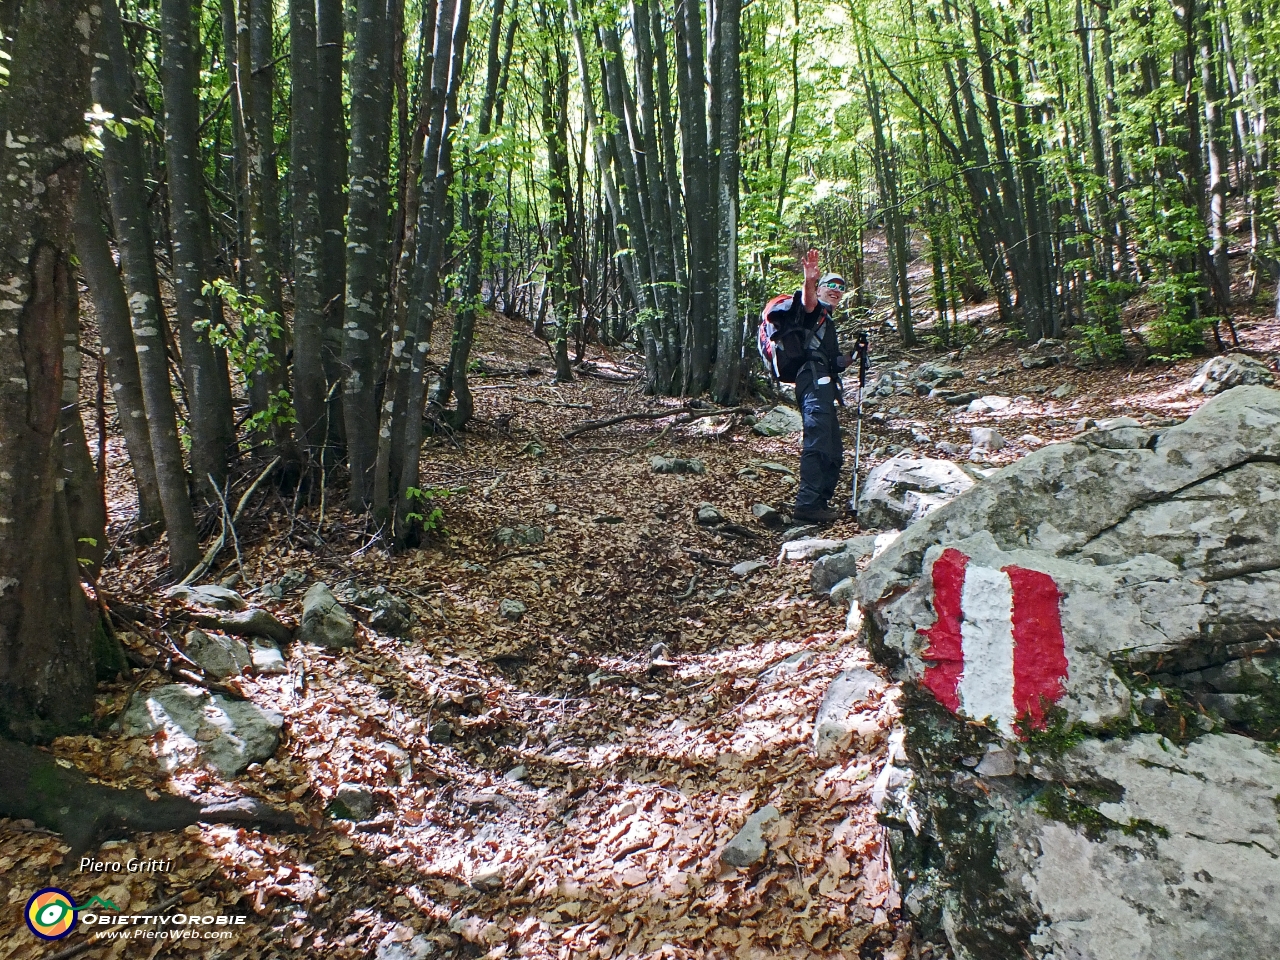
column 550, row 783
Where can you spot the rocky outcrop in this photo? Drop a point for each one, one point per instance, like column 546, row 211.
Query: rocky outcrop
column 903, row 489
column 1087, row 643
column 779, row 422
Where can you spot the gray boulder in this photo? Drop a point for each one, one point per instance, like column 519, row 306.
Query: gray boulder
column 834, row 567
column 749, row 846
column 1045, row 353
column 201, row 728
column 324, row 622
column 747, row 567
column 836, row 722
column 771, row 518
column 1117, row 596
column 218, row 656
column 904, row 489
column 989, row 404
column 707, row 515
column 676, row 465
column 1230, row 370
column 985, row 439
column 809, row 548
column 936, row 373
column 521, row 535
column 388, row 614
column 213, row 596
column 779, row 422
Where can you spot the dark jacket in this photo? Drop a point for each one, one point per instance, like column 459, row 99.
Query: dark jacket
column 830, row 341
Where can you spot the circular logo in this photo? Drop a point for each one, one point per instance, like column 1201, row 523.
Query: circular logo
column 51, row 913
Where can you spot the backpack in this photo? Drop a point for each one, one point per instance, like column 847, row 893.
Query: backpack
column 786, row 340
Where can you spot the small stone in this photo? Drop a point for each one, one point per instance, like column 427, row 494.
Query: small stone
column 550, row 509
column 676, row 465
column 254, row 622
column 511, row 609
column 836, row 723
column 788, row 667
column 767, row 515
column 1085, row 423
column 352, row 802
column 708, row 516
column 986, row 439
column 749, row 846
column 521, row 535
column 489, row 880
column 415, row 948
column 998, row 762
column 267, row 658
column 990, row 404
column 960, row 399
column 747, row 567
column 516, row 774
column 324, row 622
column 1062, row 391
column 441, row 732
column 844, row 591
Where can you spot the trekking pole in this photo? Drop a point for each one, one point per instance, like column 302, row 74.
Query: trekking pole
column 862, row 349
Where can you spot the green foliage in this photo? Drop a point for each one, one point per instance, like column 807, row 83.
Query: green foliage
column 248, row 347
column 1178, row 331
column 1100, row 335
column 427, row 512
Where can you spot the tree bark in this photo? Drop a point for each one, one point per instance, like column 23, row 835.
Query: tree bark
column 367, row 257
column 111, row 307
column 309, row 383
column 122, row 160
column 729, row 340
column 212, row 420
column 46, row 660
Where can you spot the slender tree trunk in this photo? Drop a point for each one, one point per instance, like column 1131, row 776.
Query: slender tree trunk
column 208, row 390
column 310, row 388
column 331, row 182
column 367, row 258
column 728, row 367
column 111, row 307
column 46, row 659
column 122, row 160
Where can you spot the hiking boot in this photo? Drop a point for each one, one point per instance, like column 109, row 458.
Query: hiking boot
column 816, row 514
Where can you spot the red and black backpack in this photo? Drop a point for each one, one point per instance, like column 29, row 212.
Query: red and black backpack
column 786, row 339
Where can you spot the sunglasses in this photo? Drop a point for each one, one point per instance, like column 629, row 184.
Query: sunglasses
column 835, row 286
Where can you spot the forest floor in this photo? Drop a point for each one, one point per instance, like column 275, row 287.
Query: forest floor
column 589, row 780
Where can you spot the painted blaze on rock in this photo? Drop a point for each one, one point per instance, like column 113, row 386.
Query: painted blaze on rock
column 997, row 647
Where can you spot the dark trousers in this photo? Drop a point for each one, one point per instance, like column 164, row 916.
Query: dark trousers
column 822, row 455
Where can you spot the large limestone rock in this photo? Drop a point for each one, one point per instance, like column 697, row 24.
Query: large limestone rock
column 1088, row 645
column 903, row 489
column 324, row 622
column 219, row 656
column 199, row 728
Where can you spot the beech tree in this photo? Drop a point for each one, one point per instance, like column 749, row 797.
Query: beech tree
column 46, row 656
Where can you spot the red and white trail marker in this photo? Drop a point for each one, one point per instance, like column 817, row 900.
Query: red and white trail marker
column 997, row 646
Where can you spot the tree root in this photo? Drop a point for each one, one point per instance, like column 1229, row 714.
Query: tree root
column 35, row 786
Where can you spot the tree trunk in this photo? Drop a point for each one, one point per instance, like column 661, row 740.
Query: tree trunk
column 212, row 422
column 728, row 368
column 46, row 659
column 367, row 257
column 331, row 177
column 122, row 159
column 111, row 307
column 309, row 384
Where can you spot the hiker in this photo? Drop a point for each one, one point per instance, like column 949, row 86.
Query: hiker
column 799, row 345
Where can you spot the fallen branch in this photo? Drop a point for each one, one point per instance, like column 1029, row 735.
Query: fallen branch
column 695, row 414
column 211, row 554
column 552, row 403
